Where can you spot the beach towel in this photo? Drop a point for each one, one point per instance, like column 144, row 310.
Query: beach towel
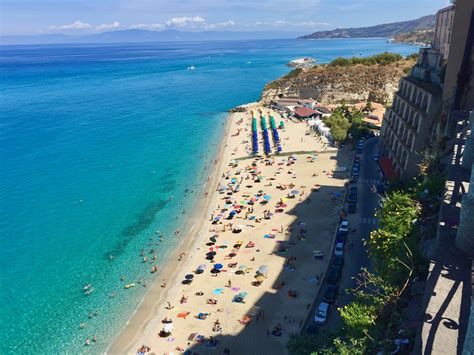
column 269, row 236
column 235, row 289
column 170, row 340
column 183, row 315
column 218, row 291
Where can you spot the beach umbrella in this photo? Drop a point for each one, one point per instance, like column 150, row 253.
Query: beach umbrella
column 212, row 239
column 295, row 192
column 189, row 277
column 218, row 266
column 267, row 197
column 239, row 272
column 211, row 253
column 263, row 269
column 260, row 278
column 242, row 267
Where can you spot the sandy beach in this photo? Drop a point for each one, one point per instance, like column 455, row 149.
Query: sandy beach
column 247, row 252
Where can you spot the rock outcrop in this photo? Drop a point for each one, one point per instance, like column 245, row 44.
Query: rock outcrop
column 331, row 84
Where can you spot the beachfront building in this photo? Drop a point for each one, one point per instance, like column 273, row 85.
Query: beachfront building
column 458, row 90
column 305, row 113
column 408, row 123
column 288, row 104
column 443, row 26
column 412, row 123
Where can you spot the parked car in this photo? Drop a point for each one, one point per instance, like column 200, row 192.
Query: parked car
column 321, row 314
column 353, row 189
column 352, row 197
column 341, row 237
column 352, row 208
column 376, row 157
column 330, row 294
column 339, row 249
column 354, row 179
column 338, row 260
column 344, row 226
column 356, row 163
column 333, row 275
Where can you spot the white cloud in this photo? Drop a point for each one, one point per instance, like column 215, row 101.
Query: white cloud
column 192, row 23
column 151, row 26
column 279, row 23
column 109, row 26
column 78, row 25
column 195, row 21
column 225, row 24
column 313, row 23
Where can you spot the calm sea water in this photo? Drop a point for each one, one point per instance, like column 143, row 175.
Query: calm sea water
column 100, row 147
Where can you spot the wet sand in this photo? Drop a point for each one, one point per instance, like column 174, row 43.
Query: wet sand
column 306, row 223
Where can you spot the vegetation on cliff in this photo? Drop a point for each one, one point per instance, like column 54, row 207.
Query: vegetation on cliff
column 418, row 36
column 356, row 79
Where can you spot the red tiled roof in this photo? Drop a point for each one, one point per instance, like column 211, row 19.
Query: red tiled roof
column 387, row 168
column 304, row 111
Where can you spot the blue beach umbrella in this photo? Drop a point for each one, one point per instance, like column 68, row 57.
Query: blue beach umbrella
column 218, row 266
column 267, row 197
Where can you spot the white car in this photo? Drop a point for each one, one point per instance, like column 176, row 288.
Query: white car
column 344, row 226
column 339, row 249
column 321, row 315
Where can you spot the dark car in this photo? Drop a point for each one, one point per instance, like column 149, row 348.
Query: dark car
column 333, row 275
column 330, row 294
column 352, row 208
column 338, row 260
column 352, row 197
column 353, row 189
column 341, row 237
column 354, row 179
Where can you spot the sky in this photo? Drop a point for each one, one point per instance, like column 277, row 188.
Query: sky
column 25, row 17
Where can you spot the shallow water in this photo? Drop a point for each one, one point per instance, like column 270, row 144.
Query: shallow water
column 100, row 147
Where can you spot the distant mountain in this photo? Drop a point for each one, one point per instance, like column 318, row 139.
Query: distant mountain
column 384, row 30
column 139, row 36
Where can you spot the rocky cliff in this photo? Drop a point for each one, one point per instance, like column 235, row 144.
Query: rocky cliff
column 332, row 83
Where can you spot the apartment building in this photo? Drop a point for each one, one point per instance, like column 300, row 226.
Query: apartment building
column 408, row 124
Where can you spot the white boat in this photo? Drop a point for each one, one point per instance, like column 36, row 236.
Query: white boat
column 192, row 67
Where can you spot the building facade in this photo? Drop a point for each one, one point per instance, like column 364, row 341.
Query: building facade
column 408, row 124
column 443, row 26
column 458, row 88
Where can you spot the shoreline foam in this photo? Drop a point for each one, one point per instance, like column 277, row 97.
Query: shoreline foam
column 139, row 319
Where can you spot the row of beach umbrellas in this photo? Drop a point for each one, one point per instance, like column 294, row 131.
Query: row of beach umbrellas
column 254, row 136
column 266, row 139
column 276, row 136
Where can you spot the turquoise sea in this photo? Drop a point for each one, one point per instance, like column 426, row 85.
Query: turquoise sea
column 100, row 147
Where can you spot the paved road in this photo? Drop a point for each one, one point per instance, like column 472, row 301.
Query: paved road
column 364, row 221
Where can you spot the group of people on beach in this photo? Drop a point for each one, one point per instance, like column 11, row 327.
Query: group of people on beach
column 231, row 253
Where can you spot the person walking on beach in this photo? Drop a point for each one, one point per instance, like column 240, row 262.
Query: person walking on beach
column 229, row 283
